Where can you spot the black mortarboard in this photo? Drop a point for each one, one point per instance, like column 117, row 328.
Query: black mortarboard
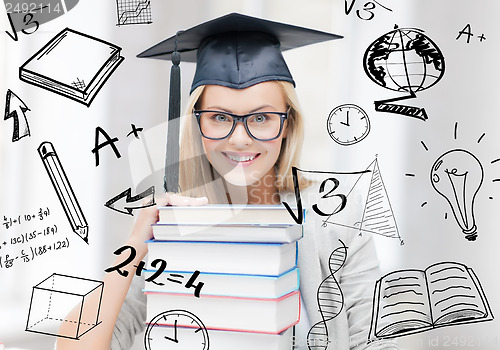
column 235, row 51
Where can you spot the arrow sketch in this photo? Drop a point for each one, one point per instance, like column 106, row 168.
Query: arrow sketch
column 125, row 203
column 15, row 108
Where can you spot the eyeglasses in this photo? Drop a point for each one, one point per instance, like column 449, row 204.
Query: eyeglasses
column 261, row 126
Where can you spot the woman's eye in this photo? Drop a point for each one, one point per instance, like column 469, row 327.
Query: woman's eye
column 260, row 118
column 220, row 118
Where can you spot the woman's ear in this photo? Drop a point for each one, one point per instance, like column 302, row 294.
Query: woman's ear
column 285, row 129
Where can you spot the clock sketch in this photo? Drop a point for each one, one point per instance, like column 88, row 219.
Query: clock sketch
column 176, row 329
column 348, row 124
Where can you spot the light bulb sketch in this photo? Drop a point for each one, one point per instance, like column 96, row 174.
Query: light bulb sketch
column 457, row 175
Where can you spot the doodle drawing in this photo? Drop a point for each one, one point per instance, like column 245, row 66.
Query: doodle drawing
column 133, row 12
column 16, row 109
column 179, row 327
column 65, row 306
column 63, row 189
column 330, row 301
column 403, row 60
column 457, row 175
column 414, row 301
column 348, row 124
column 128, row 202
column 377, row 216
column 72, row 64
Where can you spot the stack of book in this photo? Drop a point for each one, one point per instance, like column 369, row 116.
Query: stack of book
column 230, row 276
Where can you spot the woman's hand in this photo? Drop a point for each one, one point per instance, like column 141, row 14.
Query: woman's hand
column 142, row 230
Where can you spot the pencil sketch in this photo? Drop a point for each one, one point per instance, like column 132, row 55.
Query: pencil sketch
column 133, row 12
column 72, row 64
column 457, row 175
column 330, row 301
column 63, row 190
column 181, row 327
column 16, row 109
column 125, row 203
column 413, row 301
column 61, row 299
column 348, row 124
column 404, row 60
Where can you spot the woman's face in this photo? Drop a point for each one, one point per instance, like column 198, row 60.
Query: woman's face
column 241, row 159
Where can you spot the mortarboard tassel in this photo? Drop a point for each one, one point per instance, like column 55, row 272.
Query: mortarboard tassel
column 171, row 178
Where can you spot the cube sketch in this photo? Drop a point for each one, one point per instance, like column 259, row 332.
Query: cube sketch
column 65, row 306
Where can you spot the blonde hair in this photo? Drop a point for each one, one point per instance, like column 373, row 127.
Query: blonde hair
column 198, row 178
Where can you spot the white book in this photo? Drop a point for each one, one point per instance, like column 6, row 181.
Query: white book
column 271, row 316
column 279, row 233
column 225, row 257
column 223, row 284
column 224, row 213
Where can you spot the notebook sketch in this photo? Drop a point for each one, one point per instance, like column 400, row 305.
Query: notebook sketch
column 414, row 301
column 72, row 64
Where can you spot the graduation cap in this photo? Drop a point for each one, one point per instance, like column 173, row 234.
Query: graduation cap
column 235, row 51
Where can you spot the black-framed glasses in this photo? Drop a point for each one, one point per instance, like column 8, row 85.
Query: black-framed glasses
column 261, row 126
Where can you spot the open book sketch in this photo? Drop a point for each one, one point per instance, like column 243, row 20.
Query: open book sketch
column 133, row 12
column 413, row 301
column 330, row 301
column 404, row 60
column 72, row 64
column 65, row 306
column 377, row 216
column 16, row 109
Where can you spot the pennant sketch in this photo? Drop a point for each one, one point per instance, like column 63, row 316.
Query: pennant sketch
column 457, row 175
column 63, row 190
column 330, row 301
column 16, row 109
column 404, row 60
column 72, row 64
column 348, row 124
column 377, row 216
column 65, row 300
column 414, row 301
column 133, row 12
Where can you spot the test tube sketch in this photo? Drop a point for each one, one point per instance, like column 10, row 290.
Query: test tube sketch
column 16, row 109
column 404, row 60
column 377, row 216
column 330, row 301
column 348, row 124
column 413, row 301
column 72, row 64
column 125, row 203
column 133, row 12
column 65, row 306
column 457, row 175
column 63, row 190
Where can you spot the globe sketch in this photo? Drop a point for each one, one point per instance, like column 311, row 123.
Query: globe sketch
column 404, row 60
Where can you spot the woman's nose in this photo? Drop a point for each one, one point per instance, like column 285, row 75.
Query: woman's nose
column 240, row 135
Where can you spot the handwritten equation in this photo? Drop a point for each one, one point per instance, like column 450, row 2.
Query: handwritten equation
column 157, row 273
column 9, row 221
column 33, row 251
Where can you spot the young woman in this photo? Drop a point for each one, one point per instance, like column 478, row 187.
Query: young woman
column 238, row 146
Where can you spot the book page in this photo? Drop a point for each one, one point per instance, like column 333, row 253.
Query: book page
column 403, row 303
column 454, row 295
